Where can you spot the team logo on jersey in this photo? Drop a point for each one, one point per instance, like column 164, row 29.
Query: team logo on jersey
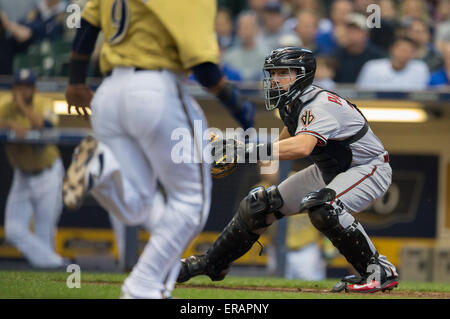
column 307, row 118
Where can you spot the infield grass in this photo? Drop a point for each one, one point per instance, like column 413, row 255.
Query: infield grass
column 43, row 285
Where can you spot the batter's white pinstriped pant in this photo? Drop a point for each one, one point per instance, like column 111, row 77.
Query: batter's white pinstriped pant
column 133, row 116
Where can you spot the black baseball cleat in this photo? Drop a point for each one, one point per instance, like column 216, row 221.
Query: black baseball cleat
column 371, row 282
column 197, row 265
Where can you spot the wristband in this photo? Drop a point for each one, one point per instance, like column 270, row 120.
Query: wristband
column 78, row 71
column 263, row 151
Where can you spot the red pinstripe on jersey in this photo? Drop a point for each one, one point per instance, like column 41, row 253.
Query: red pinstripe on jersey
column 355, row 184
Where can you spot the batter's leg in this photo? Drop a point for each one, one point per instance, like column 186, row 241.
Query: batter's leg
column 187, row 186
column 111, row 165
column 119, row 229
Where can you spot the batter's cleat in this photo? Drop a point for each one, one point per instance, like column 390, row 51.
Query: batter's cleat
column 79, row 179
column 197, row 265
column 374, row 281
column 125, row 295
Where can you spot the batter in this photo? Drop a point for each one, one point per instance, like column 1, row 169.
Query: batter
column 149, row 48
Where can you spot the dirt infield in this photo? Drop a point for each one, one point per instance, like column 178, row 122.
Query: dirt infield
column 393, row 293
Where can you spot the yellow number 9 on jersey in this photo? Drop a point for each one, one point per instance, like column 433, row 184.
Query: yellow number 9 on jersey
column 120, row 18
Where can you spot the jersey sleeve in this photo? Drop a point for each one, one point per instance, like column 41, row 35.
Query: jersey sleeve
column 191, row 24
column 319, row 123
column 91, row 13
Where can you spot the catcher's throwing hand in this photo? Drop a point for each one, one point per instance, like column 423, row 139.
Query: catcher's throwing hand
column 80, row 96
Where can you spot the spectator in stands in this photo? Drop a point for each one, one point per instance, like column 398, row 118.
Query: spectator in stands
column 249, row 54
column 46, row 20
column 308, row 5
column 298, row 6
column 388, row 9
column 362, row 5
column 273, row 20
column 16, row 9
column 410, row 9
column 357, row 51
column 224, row 28
column 325, row 70
column 400, row 72
column 307, row 26
column 442, row 12
column 235, row 6
column 419, row 31
column 38, row 173
column 441, row 77
column 14, row 38
column 257, row 7
column 384, row 36
column 443, row 26
column 328, row 39
column 290, row 40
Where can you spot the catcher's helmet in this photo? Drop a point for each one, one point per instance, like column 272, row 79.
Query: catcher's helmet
column 299, row 59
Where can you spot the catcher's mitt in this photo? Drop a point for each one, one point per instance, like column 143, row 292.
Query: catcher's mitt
column 225, row 156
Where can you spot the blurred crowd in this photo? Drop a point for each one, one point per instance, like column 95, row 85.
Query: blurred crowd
column 35, row 34
column 405, row 47
column 395, row 45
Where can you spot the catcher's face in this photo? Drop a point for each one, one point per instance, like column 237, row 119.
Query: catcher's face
column 282, row 78
column 276, row 84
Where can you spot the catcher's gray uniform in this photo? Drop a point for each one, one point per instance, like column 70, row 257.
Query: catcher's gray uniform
column 351, row 170
column 329, row 117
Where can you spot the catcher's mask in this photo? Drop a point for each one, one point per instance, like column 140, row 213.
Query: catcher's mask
column 291, row 58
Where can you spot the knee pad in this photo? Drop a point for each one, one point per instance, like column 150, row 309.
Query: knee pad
column 254, row 208
column 320, row 210
column 318, row 198
column 326, row 220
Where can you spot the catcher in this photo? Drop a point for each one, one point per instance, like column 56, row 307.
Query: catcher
column 351, row 170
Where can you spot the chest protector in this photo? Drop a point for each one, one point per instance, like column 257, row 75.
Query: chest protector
column 333, row 158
